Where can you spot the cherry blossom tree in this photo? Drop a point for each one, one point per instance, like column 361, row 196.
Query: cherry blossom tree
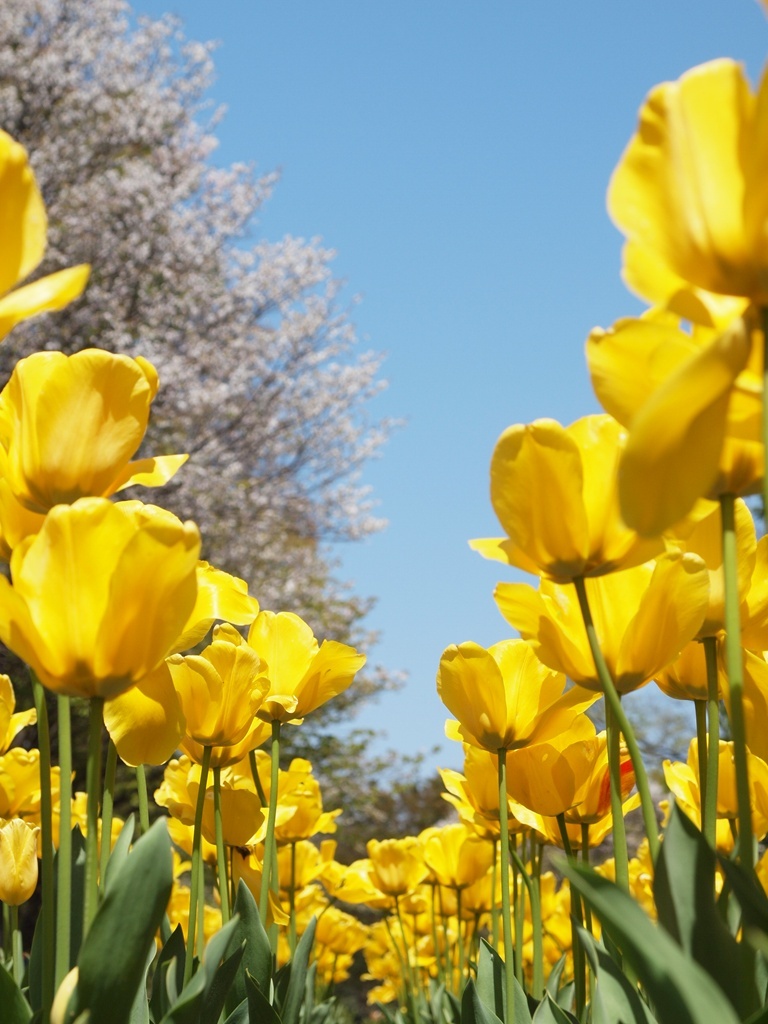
column 262, row 381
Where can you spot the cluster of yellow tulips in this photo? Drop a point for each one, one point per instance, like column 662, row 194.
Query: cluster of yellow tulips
column 649, row 569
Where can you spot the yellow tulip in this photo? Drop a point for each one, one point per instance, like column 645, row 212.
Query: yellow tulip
column 504, row 697
column 18, row 861
column 693, row 407
column 23, row 225
column 69, row 426
column 475, row 794
column 396, row 865
column 456, row 855
column 643, row 617
column 553, row 489
column 691, row 191
column 99, row 595
column 302, row 674
column 683, row 782
column 146, row 723
column 220, row 690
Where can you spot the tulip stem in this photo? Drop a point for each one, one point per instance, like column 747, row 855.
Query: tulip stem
column 266, row 879
column 141, row 792
column 506, row 915
column 107, row 805
column 18, row 948
column 221, row 854
column 64, row 861
column 292, row 903
column 577, row 918
column 93, row 783
column 538, row 951
column 620, row 851
column 517, row 907
column 612, row 701
column 495, row 906
column 736, row 678
column 713, row 742
column 46, row 840
column 194, row 878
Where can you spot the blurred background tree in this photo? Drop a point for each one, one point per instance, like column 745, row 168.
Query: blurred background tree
column 262, row 379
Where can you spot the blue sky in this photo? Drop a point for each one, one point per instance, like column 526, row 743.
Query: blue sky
column 456, row 155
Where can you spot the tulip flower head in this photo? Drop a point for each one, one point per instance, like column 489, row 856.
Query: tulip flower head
column 18, row 861
column 504, row 697
column 302, row 674
column 553, row 490
column 99, row 595
column 69, row 426
column 691, row 192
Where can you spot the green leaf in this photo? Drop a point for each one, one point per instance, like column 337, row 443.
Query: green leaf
column 490, row 979
column 474, row 1010
column 239, row 1015
column 684, row 893
column 140, row 1009
column 491, row 986
column 548, row 1012
column 553, row 981
column 188, row 1008
column 260, row 1011
column 294, row 996
column 15, row 1008
column 114, row 954
column 171, row 958
column 119, row 851
column 216, row 996
column 681, row 992
column 257, row 959
column 615, row 998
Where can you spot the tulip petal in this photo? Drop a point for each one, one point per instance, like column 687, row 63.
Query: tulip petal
column 47, row 293
column 146, row 723
column 672, row 455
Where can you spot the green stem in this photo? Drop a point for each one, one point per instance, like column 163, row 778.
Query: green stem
column 46, row 840
column 494, row 904
column 221, row 853
column 107, row 805
column 93, row 782
column 256, row 779
column 701, row 743
column 7, row 932
column 292, row 903
column 64, row 860
column 194, row 879
column 538, row 936
column 18, row 948
column 462, row 951
column 713, row 741
column 612, row 701
column 518, row 909
column 585, row 860
column 509, row 966
column 620, row 851
column 577, row 917
column 435, row 942
column 735, row 678
column 141, row 792
column 266, row 877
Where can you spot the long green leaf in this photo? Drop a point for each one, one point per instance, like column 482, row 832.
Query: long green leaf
column 260, row 1011
column 615, row 998
column 14, row 1008
column 294, row 997
column 684, row 893
column 681, row 992
column 114, row 954
column 257, row 958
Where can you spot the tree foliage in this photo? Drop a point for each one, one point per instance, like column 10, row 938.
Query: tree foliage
column 261, row 378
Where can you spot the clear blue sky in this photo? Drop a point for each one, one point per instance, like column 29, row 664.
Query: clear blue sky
column 456, row 155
